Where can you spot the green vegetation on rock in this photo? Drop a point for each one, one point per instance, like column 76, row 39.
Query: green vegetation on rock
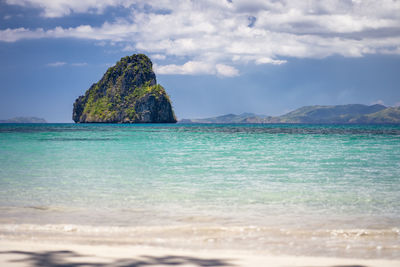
column 388, row 115
column 329, row 114
column 127, row 93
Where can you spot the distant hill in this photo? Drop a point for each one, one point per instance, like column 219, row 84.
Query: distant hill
column 352, row 113
column 388, row 115
column 329, row 114
column 230, row 118
column 24, row 120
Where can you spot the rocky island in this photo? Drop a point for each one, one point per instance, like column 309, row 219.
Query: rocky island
column 127, row 93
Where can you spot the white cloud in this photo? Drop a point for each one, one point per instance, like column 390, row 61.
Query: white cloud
column 101, row 43
column 190, row 67
column 225, row 70
column 197, row 68
column 13, row 35
column 79, row 64
column 62, row 63
column 59, row 8
column 158, row 56
column 213, row 35
column 57, row 64
column 379, row 102
column 129, row 48
column 266, row 60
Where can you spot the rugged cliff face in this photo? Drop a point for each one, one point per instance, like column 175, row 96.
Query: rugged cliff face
column 127, row 93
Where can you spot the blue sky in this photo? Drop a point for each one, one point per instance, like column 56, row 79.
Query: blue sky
column 213, row 57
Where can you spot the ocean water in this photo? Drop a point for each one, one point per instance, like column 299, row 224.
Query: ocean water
column 331, row 190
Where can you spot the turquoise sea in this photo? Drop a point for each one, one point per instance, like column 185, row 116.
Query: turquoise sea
column 331, row 190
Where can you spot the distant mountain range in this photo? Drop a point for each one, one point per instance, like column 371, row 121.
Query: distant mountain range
column 352, row 113
column 24, row 120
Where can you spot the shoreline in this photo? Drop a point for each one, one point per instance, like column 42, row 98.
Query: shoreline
column 30, row 245
column 46, row 253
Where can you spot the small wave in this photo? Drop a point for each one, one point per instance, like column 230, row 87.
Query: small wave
column 200, row 230
column 367, row 243
column 44, row 208
column 76, row 139
column 358, row 233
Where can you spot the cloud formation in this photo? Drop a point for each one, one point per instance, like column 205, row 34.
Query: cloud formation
column 197, row 67
column 216, row 35
column 62, row 63
column 60, row 8
column 57, row 64
column 79, row 64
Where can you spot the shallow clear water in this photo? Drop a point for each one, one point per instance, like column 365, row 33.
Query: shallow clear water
column 251, row 186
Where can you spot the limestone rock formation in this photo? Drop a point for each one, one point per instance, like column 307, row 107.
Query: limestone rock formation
column 127, row 93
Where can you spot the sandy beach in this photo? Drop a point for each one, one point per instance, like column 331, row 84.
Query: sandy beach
column 72, row 246
column 39, row 253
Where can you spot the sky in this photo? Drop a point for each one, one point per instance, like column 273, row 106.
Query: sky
column 213, row 57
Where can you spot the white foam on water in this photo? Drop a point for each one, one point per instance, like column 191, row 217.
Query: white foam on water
column 366, row 243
